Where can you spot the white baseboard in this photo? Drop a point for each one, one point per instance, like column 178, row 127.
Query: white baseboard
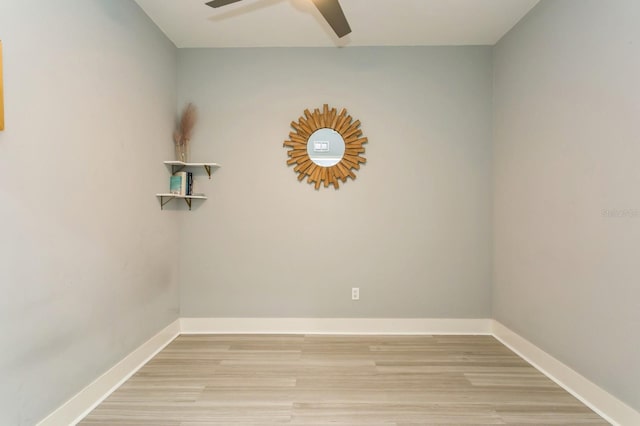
column 606, row 405
column 603, row 403
column 335, row 326
column 74, row 410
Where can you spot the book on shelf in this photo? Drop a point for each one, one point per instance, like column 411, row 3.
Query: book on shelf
column 178, row 183
column 189, row 183
column 174, row 184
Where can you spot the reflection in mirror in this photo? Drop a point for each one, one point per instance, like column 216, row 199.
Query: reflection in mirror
column 325, row 147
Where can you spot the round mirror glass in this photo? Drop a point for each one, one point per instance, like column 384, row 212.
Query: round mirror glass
column 325, row 147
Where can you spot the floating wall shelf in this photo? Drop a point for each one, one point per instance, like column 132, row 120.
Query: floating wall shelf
column 177, row 166
column 165, row 198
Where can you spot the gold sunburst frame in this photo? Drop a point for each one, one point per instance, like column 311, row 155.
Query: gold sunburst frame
column 329, row 119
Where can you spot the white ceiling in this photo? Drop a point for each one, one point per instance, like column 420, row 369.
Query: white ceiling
column 289, row 23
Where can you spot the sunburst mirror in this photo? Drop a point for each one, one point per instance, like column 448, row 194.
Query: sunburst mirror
column 326, row 147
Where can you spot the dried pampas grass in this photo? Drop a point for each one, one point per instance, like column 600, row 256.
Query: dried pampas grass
column 183, row 133
column 187, row 122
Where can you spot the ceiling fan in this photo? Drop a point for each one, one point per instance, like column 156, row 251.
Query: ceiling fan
column 330, row 9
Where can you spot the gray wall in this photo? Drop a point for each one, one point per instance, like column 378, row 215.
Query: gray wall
column 87, row 260
column 567, row 204
column 413, row 231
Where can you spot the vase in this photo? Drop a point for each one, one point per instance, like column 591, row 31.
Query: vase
column 182, row 152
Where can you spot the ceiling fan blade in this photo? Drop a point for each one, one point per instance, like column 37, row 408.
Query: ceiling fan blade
column 220, row 3
column 334, row 15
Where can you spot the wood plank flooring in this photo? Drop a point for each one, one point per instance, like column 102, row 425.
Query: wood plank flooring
column 338, row 380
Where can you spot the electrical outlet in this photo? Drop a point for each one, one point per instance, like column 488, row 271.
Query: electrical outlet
column 355, row 293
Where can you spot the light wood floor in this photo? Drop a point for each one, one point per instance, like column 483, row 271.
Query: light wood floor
column 338, row 380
